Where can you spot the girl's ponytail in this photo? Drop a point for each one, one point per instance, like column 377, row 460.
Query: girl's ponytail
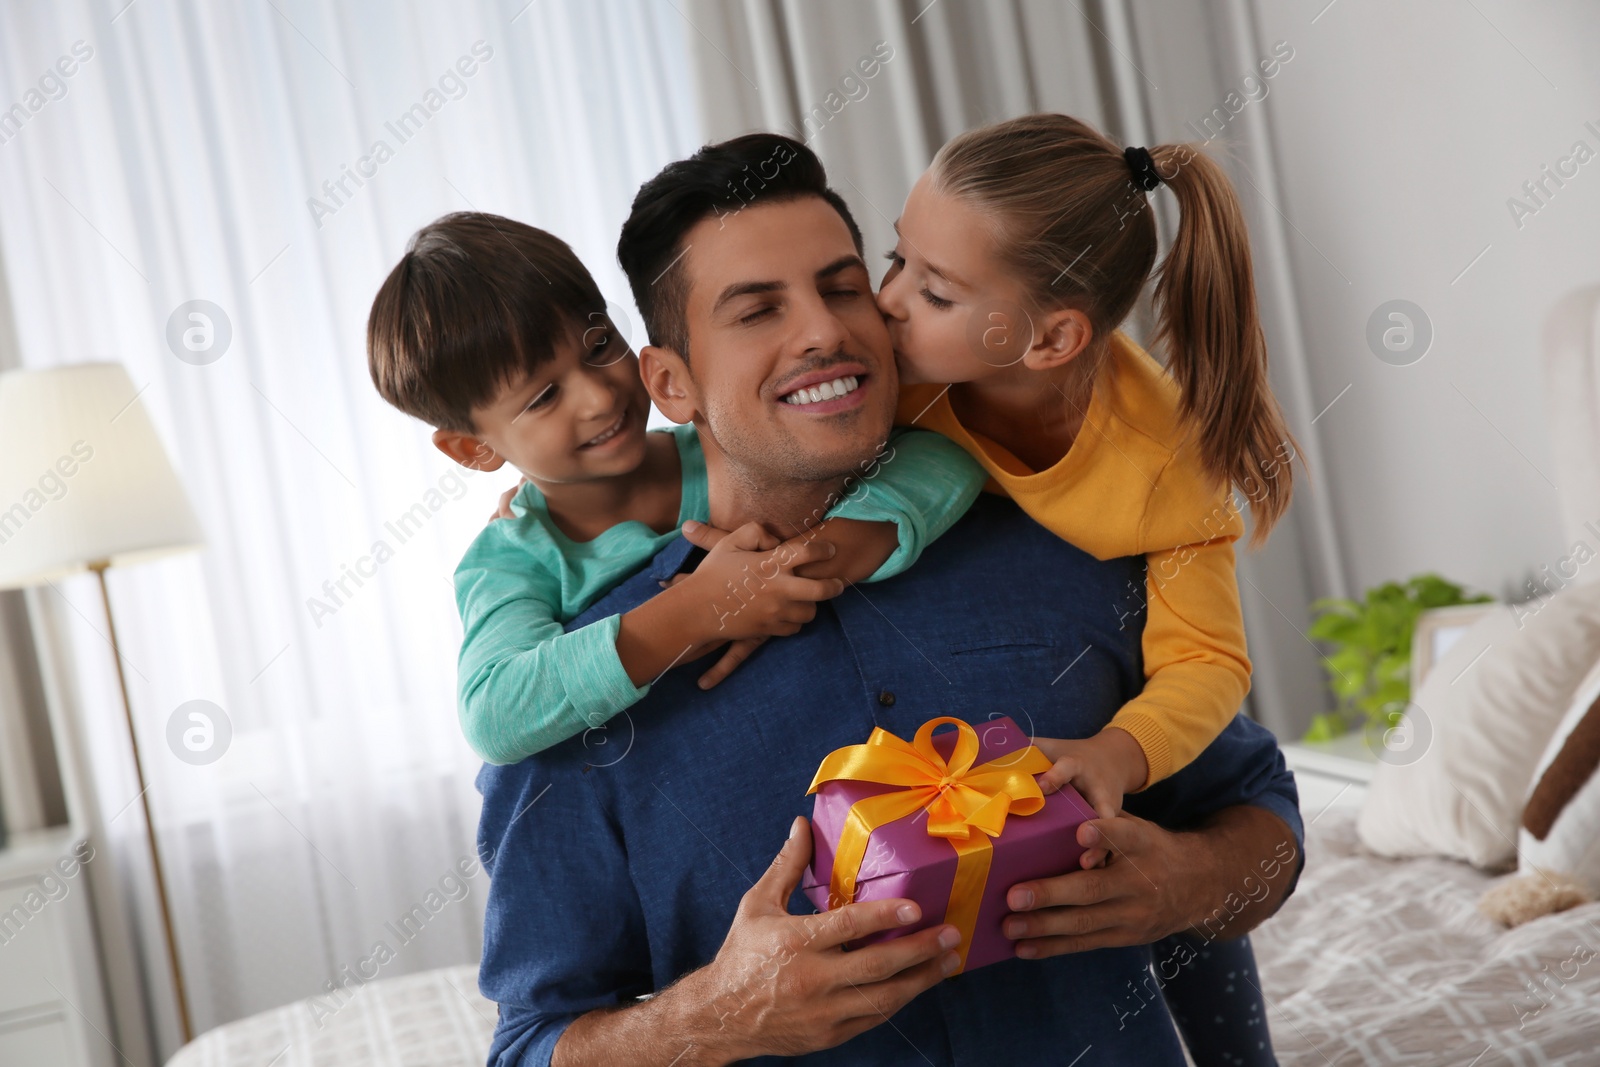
column 1206, row 300
column 1072, row 223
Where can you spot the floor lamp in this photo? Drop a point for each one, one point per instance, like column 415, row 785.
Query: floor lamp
column 86, row 485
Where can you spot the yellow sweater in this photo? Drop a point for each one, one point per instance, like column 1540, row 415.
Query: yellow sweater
column 1131, row 484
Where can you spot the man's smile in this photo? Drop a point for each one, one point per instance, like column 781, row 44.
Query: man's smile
column 826, row 391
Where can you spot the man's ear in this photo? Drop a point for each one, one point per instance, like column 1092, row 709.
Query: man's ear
column 1063, row 335
column 666, row 377
column 467, row 450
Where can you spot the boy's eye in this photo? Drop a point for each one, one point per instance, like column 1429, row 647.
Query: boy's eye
column 544, row 397
column 937, row 301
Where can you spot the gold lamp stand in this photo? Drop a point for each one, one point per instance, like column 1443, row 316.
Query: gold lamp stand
column 99, row 569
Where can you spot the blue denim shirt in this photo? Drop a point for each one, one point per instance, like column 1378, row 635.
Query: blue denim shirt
column 617, row 859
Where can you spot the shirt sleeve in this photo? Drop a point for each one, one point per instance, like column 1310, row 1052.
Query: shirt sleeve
column 923, row 484
column 563, row 932
column 523, row 684
column 1242, row 766
column 1197, row 671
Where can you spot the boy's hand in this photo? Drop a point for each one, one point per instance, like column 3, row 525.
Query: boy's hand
column 749, row 584
column 744, row 591
column 1103, row 768
column 737, row 653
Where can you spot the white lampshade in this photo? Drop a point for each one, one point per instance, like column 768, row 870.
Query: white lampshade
column 83, row 476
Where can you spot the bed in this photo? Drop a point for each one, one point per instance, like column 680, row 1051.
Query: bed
column 1378, row 961
column 432, row 1019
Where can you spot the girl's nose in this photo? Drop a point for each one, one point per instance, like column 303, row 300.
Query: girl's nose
column 890, row 303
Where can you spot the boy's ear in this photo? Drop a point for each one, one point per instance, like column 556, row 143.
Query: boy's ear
column 666, row 377
column 467, row 450
column 1063, row 335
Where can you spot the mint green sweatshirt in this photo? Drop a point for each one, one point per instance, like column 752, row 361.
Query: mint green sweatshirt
column 525, row 684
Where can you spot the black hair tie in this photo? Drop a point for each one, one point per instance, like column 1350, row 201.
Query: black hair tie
column 1145, row 175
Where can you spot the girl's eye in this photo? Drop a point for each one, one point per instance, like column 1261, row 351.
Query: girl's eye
column 894, row 258
column 601, row 348
column 937, row 301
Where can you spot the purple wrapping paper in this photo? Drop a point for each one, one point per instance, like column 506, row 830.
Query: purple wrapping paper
column 903, row 860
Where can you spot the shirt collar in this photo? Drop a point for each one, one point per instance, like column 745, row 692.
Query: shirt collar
column 669, row 560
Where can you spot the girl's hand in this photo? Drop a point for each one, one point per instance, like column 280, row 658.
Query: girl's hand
column 504, row 511
column 1103, row 768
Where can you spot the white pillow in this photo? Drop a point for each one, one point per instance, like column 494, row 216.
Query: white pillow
column 1480, row 721
column 1572, row 844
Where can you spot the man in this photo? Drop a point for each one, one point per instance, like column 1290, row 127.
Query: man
column 641, row 868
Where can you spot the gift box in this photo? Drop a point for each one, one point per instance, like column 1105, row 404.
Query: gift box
column 951, row 820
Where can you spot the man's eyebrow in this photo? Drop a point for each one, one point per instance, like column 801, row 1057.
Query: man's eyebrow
column 738, row 289
column 840, row 264
column 932, row 267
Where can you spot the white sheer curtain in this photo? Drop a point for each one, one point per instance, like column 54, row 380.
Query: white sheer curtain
column 185, row 158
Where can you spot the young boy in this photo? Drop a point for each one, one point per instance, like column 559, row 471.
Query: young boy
column 494, row 333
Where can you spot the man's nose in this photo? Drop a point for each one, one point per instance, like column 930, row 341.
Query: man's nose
column 819, row 327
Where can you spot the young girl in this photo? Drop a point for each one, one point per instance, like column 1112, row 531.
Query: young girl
column 1021, row 251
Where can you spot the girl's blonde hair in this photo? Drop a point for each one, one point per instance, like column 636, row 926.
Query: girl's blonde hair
column 1073, row 225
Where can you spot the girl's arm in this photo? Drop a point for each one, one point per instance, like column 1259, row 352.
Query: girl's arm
column 1197, row 671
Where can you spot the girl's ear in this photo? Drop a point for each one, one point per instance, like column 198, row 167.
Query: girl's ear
column 668, row 381
column 467, row 450
column 1063, row 335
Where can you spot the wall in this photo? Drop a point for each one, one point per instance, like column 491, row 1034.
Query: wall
column 1401, row 132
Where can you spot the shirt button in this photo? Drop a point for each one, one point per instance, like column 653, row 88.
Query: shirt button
column 886, row 698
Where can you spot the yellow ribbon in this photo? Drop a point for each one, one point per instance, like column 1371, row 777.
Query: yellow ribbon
column 966, row 805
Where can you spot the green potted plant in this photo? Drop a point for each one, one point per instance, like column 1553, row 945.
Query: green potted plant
column 1369, row 668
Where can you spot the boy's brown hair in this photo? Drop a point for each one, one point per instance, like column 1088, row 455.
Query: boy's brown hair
column 475, row 300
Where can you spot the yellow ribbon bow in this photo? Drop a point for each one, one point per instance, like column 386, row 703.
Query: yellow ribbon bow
column 966, row 805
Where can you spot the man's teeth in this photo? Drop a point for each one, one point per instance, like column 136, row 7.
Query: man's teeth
column 825, row 391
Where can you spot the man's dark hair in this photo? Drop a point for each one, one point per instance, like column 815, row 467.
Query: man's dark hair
column 720, row 179
column 475, row 299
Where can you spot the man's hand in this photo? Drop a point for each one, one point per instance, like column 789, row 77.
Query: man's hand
column 1219, row 881
column 780, row 985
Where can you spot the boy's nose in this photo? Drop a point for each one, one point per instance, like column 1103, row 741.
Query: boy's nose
column 599, row 394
